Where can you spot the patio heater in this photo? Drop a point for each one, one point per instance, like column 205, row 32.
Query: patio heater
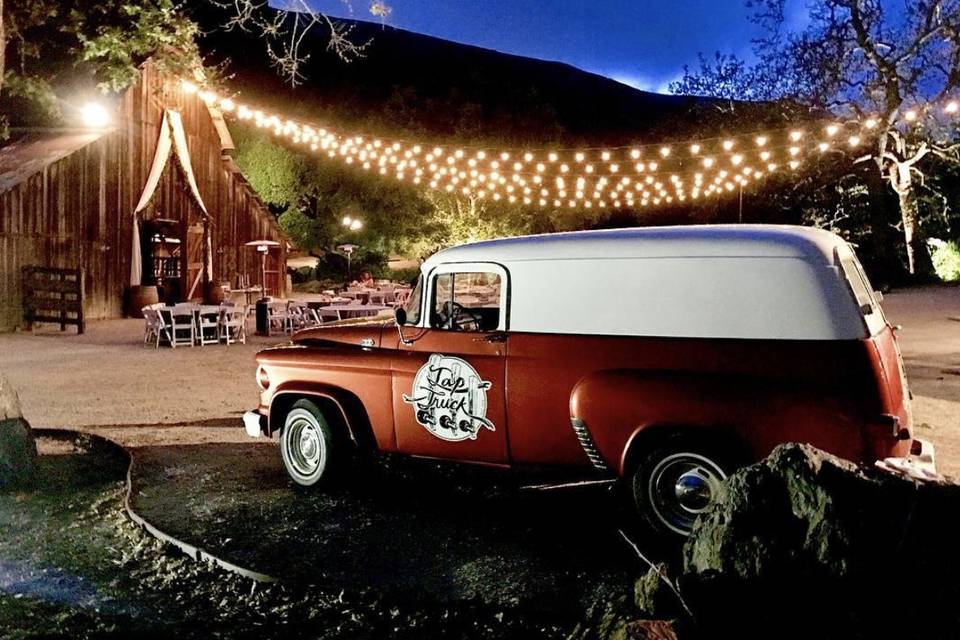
column 263, row 320
column 348, row 249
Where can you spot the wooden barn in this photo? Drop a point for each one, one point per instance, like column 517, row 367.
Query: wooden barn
column 67, row 201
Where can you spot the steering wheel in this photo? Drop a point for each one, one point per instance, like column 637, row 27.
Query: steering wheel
column 452, row 312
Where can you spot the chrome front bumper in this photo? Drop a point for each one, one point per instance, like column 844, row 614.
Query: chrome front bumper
column 254, row 423
column 921, row 464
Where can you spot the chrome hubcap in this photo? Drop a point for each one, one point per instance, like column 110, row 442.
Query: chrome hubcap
column 681, row 487
column 306, row 448
column 694, row 490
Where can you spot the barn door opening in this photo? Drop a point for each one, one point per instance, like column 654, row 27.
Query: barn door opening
column 162, row 247
column 193, row 283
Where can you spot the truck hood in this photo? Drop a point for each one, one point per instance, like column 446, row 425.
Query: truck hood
column 353, row 332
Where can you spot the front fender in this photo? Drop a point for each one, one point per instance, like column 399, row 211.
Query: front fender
column 348, row 407
column 619, row 407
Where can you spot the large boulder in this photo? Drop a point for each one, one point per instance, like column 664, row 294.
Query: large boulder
column 18, row 449
column 804, row 544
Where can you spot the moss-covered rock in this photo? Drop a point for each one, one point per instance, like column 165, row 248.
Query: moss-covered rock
column 805, row 543
column 18, row 449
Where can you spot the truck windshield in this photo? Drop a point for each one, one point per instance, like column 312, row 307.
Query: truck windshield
column 413, row 302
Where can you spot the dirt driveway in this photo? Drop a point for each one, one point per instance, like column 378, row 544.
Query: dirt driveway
column 930, row 343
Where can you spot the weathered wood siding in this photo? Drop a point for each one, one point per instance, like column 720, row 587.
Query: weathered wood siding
column 77, row 212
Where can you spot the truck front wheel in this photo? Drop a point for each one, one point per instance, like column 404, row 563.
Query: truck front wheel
column 306, row 444
column 676, row 482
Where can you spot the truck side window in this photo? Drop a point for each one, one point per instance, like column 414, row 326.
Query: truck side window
column 467, row 301
column 858, row 283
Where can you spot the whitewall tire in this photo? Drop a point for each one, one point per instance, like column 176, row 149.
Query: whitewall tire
column 306, row 444
column 677, row 482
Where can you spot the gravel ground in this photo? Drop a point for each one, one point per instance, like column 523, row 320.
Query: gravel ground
column 73, row 566
column 107, row 377
column 407, row 528
column 930, row 343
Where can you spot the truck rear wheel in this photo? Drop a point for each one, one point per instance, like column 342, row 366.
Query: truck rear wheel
column 306, row 444
column 677, row 481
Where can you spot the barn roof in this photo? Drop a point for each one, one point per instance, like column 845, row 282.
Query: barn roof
column 35, row 150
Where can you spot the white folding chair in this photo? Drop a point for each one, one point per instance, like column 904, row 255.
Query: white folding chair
column 154, row 326
column 208, row 331
column 233, row 324
column 279, row 316
column 183, row 324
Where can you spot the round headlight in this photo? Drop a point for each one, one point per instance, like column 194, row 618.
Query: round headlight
column 263, row 380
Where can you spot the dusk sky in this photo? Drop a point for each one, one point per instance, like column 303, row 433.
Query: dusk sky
column 644, row 43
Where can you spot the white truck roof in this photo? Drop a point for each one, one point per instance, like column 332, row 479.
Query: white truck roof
column 747, row 240
column 716, row 281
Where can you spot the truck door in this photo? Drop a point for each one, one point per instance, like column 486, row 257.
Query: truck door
column 449, row 382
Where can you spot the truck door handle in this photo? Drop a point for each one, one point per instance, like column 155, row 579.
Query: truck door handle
column 499, row 336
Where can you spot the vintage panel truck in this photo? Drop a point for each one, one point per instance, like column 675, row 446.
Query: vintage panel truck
column 663, row 356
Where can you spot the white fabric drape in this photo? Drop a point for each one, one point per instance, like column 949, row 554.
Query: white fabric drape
column 136, row 260
column 183, row 155
column 172, row 137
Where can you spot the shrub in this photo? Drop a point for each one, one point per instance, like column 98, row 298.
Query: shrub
column 946, row 259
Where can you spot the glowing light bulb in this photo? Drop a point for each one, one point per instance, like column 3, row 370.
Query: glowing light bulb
column 796, row 135
column 951, row 107
column 736, row 158
column 761, row 140
column 823, row 146
column 870, row 123
column 552, row 157
column 635, row 153
column 605, row 156
column 708, row 162
column 832, row 130
column 727, row 145
column 854, row 141
column 188, row 86
column 94, row 115
column 910, row 115
column 664, row 151
column 794, row 151
column 528, row 157
column 695, row 149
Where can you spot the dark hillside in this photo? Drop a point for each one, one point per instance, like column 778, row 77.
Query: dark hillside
column 416, row 84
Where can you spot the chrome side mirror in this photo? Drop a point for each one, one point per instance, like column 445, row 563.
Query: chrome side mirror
column 400, row 316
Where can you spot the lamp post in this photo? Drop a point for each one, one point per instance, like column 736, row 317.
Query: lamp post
column 352, row 224
column 348, row 249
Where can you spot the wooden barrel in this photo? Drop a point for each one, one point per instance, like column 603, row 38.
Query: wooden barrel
column 214, row 294
column 139, row 297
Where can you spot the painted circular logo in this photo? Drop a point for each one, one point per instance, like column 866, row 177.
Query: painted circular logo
column 449, row 399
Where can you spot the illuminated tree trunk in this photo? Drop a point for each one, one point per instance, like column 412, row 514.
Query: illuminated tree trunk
column 908, row 213
column 900, row 164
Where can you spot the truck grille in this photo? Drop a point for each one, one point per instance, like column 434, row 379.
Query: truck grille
column 583, row 435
